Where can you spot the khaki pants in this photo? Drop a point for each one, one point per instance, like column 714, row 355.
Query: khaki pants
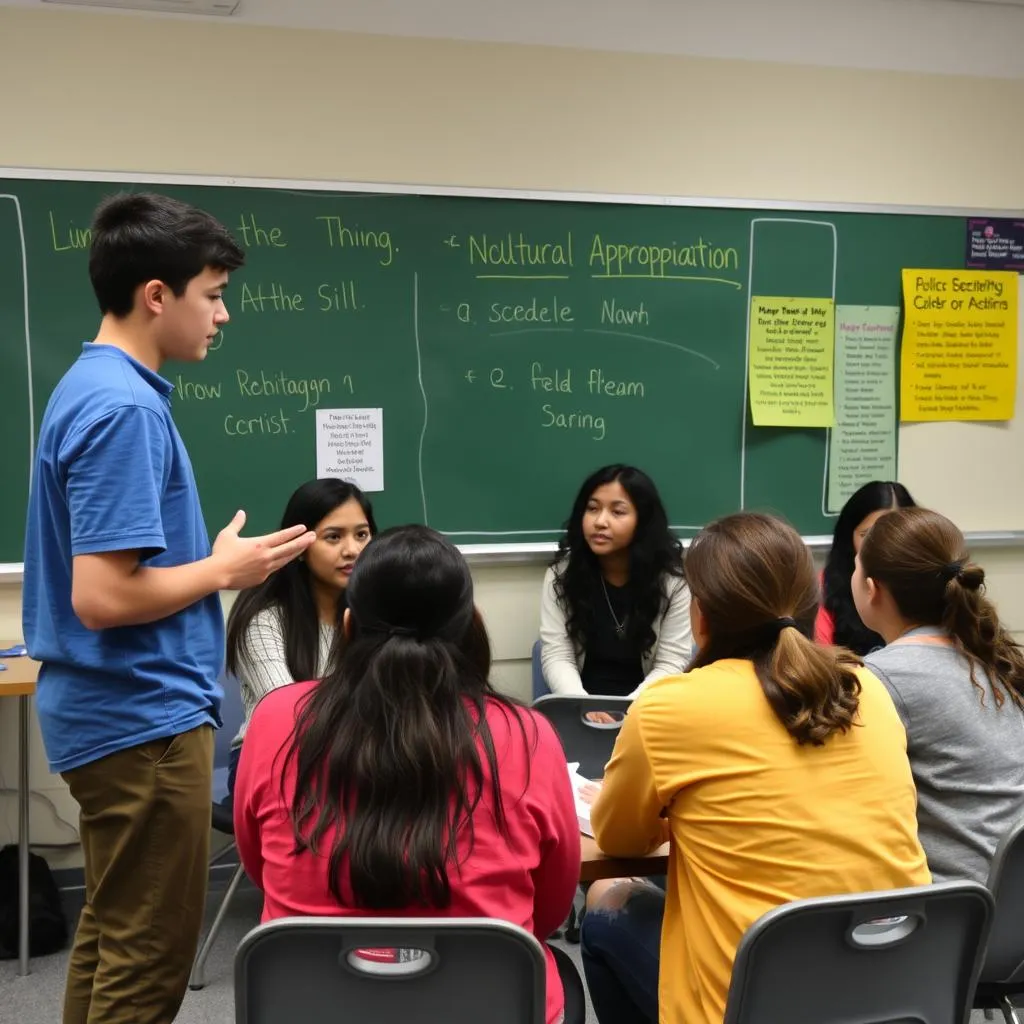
column 145, row 830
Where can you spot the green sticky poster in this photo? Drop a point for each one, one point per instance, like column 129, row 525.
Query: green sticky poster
column 863, row 442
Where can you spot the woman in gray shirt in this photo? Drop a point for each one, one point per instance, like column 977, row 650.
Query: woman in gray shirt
column 957, row 679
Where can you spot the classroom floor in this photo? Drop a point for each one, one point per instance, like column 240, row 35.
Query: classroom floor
column 37, row 998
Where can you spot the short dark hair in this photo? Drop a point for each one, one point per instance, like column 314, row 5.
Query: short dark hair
column 141, row 236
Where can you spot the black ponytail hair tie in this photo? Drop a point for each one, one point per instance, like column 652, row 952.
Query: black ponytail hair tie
column 401, row 631
column 388, row 630
column 952, row 571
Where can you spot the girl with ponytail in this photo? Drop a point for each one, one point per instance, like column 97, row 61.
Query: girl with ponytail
column 775, row 767
column 957, row 679
column 403, row 783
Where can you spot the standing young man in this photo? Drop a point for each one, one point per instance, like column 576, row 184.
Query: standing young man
column 121, row 607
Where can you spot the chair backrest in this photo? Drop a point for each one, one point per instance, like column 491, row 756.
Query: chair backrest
column 540, row 685
column 308, row 969
column 590, row 743
column 232, row 714
column 902, row 955
column 1004, row 960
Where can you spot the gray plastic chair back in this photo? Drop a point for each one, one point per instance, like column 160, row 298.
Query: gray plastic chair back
column 298, row 970
column 901, row 955
column 590, row 743
column 1004, row 960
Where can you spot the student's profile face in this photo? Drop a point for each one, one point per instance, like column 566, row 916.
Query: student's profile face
column 609, row 520
column 190, row 322
column 340, row 538
column 861, row 529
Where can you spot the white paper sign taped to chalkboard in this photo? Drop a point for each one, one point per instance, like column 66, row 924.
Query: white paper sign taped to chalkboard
column 350, row 446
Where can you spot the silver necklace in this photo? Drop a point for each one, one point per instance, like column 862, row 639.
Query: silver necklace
column 620, row 627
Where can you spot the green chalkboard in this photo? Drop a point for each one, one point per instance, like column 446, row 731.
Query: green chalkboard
column 512, row 345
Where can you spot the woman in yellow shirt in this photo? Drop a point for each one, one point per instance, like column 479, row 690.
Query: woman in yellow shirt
column 776, row 768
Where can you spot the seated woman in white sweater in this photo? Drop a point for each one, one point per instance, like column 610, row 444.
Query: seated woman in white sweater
column 615, row 609
column 282, row 631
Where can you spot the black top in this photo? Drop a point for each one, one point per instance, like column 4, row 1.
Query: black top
column 612, row 666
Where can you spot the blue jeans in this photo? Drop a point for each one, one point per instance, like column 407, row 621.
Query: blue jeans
column 620, row 949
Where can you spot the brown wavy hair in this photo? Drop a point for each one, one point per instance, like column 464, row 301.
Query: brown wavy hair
column 922, row 560
column 747, row 572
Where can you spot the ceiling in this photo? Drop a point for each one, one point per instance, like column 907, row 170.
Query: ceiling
column 939, row 36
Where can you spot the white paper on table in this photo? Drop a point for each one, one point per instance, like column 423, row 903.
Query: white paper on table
column 350, row 446
column 577, row 782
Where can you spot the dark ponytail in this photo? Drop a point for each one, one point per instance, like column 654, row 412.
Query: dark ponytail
column 922, row 560
column 386, row 746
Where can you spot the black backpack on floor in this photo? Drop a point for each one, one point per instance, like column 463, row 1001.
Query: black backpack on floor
column 47, row 926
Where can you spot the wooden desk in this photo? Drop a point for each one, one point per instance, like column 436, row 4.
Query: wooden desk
column 19, row 680
column 594, row 864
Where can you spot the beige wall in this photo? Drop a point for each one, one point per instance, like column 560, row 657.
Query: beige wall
column 162, row 96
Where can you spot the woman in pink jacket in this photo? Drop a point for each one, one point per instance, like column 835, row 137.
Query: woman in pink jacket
column 402, row 783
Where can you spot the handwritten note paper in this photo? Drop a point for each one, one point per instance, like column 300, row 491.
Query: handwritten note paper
column 791, row 362
column 862, row 446
column 350, row 446
column 959, row 358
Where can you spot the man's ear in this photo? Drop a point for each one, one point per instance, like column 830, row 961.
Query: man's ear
column 152, row 297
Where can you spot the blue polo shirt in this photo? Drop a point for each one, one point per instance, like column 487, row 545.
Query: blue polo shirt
column 112, row 474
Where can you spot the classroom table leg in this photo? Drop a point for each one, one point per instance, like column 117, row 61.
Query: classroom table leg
column 23, row 803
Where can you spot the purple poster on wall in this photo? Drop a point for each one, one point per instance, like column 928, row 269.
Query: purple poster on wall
column 995, row 243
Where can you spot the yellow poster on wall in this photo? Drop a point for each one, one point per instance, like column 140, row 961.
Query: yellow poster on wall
column 790, row 367
column 959, row 355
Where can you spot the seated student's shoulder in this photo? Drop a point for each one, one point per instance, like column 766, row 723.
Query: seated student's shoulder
column 875, row 686
column 699, row 697
column 514, row 724
column 278, row 709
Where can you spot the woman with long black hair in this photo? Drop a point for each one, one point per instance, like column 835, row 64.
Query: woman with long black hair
column 403, row 783
column 838, row 621
column 615, row 608
column 283, row 630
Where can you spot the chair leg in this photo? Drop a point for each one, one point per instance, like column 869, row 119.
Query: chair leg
column 197, row 979
column 579, row 908
column 1009, row 1011
column 572, row 928
column 223, row 852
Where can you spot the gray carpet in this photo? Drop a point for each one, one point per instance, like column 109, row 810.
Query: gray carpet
column 37, row 998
